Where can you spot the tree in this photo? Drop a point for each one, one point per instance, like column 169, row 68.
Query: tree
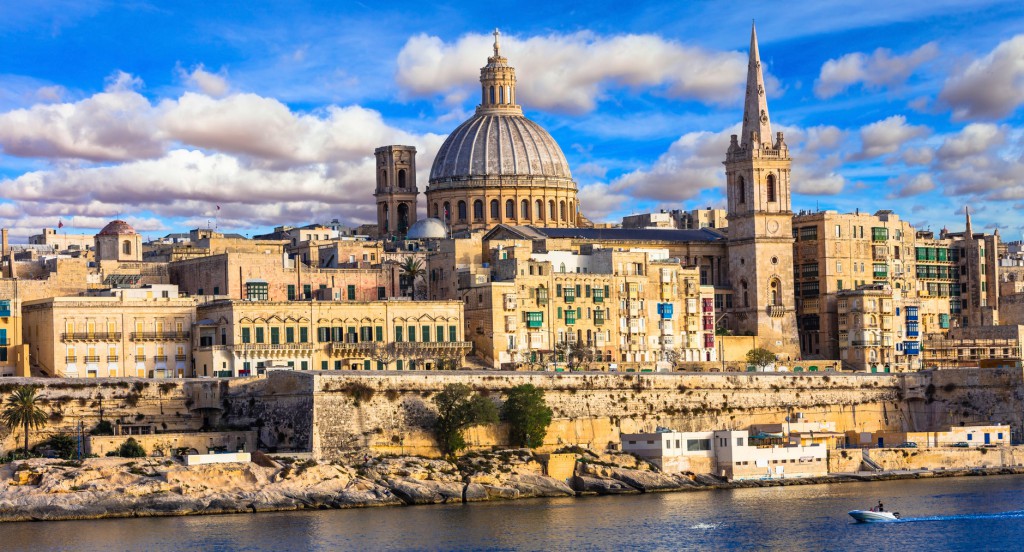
column 383, row 353
column 22, row 409
column 411, row 270
column 64, row 445
column 458, row 407
column 761, row 358
column 527, row 414
column 131, row 449
column 577, row 354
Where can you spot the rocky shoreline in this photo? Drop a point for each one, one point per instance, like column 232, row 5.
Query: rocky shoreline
column 41, row 489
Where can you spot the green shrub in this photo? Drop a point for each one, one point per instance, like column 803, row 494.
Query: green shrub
column 527, row 414
column 131, row 449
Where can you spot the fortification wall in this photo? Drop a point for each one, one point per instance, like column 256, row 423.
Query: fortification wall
column 392, row 412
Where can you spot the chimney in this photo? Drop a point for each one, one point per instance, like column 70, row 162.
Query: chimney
column 5, row 247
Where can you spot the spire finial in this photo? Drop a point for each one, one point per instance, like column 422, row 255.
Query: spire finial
column 755, row 105
column 968, row 230
column 497, row 45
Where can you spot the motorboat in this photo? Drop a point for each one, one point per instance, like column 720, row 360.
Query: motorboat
column 871, row 516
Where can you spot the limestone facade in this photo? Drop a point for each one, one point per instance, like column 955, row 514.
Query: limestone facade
column 140, row 332
column 396, row 192
column 242, row 338
column 630, row 309
column 760, row 240
column 499, row 166
column 118, row 241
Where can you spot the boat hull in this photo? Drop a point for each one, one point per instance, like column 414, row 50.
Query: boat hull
column 867, row 516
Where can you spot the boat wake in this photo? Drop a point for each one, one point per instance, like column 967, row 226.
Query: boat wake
column 999, row 515
column 705, row 526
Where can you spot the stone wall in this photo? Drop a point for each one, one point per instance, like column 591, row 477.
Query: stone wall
column 393, row 412
column 165, row 444
column 947, row 458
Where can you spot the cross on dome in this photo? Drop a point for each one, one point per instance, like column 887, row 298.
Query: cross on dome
column 497, row 46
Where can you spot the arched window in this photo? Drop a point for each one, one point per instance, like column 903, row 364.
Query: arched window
column 478, row 210
column 495, row 209
column 462, row 210
column 524, row 209
column 771, row 187
column 447, row 211
column 746, row 298
column 437, row 211
column 572, row 212
column 492, row 94
column 561, row 268
column 383, row 179
column 401, row 178
column 561, row 209
column 127, row 247
column 501, row 94
column 539, row 209
column 776, row 292
column 551, row 210
column 510, row 209
column 741, row 187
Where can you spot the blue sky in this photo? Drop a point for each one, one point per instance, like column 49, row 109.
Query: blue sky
column 160, row 112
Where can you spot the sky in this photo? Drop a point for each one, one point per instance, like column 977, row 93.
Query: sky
column 249, row 115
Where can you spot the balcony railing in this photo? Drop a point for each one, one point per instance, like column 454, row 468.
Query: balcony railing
column 90, row 336
column 140, row 358
column 112, row 358
column 342, row 348
column 179, row 358
column 275, row 347
column 160, row 358
column 89, row 359
column 161, row 336
column 862, row 343
column 70, row 360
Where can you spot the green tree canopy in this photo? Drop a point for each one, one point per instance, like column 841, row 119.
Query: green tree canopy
column 760, row 357
column 527, row 414
column 131, row 449
column 64, row 445
column 458, row 407
column 22, row 409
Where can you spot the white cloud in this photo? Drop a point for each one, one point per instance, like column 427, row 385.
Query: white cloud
column 917, row 184
column 211, row 84
column 991, row 87
column 878, row 70
column 887, row 136
column 571, row 72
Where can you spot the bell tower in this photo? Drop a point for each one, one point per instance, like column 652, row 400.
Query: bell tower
column 757, row 172
column 396, row 192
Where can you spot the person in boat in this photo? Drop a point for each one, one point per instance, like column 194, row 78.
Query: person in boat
column 880, row 508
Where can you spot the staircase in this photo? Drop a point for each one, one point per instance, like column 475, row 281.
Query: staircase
column 867, row 461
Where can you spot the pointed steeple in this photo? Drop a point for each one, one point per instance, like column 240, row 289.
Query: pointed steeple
column 968, row 232
column 755, row 106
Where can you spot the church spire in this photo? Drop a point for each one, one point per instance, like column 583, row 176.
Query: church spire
column 498, row 83
column 755, row 106
column 968, row 232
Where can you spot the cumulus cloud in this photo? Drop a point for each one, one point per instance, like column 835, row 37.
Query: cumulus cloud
column 982, row 161
column 878, row 70
column 887, row 136
column 211, row 84
column 571, row 72
column 114, row 125
column 991, row 87
column 906, row 187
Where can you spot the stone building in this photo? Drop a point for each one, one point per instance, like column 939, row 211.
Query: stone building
column 63, row 242
column 757, row 172
column 396, row 192
column 499, row 166
column 973, row 347
column 243, row 338
column 693, row 219
column 843, row 251
column 129, row 332
column 629, row 310
column 878, row 331
column 118, row 241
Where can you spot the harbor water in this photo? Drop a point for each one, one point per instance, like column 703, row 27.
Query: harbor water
column 968, row 513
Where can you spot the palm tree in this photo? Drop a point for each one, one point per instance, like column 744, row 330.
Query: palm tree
column 412, row 269
column 22, row 408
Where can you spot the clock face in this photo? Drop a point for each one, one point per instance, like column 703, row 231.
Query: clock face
column 773, row 226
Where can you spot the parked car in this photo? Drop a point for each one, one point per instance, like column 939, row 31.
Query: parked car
column 908, row 444
column 961, row 444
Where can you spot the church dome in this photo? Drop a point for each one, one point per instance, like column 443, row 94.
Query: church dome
column 497, row 144
column 117, row 228
column 427, row 229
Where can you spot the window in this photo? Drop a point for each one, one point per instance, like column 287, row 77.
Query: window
column 307, row 291
column 539, row 209
column 257, row 291
column 524, row 209
column 426, row 334
column 453, row 333
column 741, row 187
column 303, row 335
column 534, row 319
column 289, row 335
column 245, row 335
column 259, row 335
column 127, row 247
column 771, row 187
column 291, row 292
column 695, row 445
column 401, row 178
column 495, row 212
column 323, row 334
column 478, row 210
column 510, row 209
column 551, row 210
column 570, row 294
column 398, row 334
column 462, row 210
column 351, row 292
column 275, row 335
column 570, row 316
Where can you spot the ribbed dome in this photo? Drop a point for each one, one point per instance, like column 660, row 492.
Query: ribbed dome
column 493, row 144
column 117, row 228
